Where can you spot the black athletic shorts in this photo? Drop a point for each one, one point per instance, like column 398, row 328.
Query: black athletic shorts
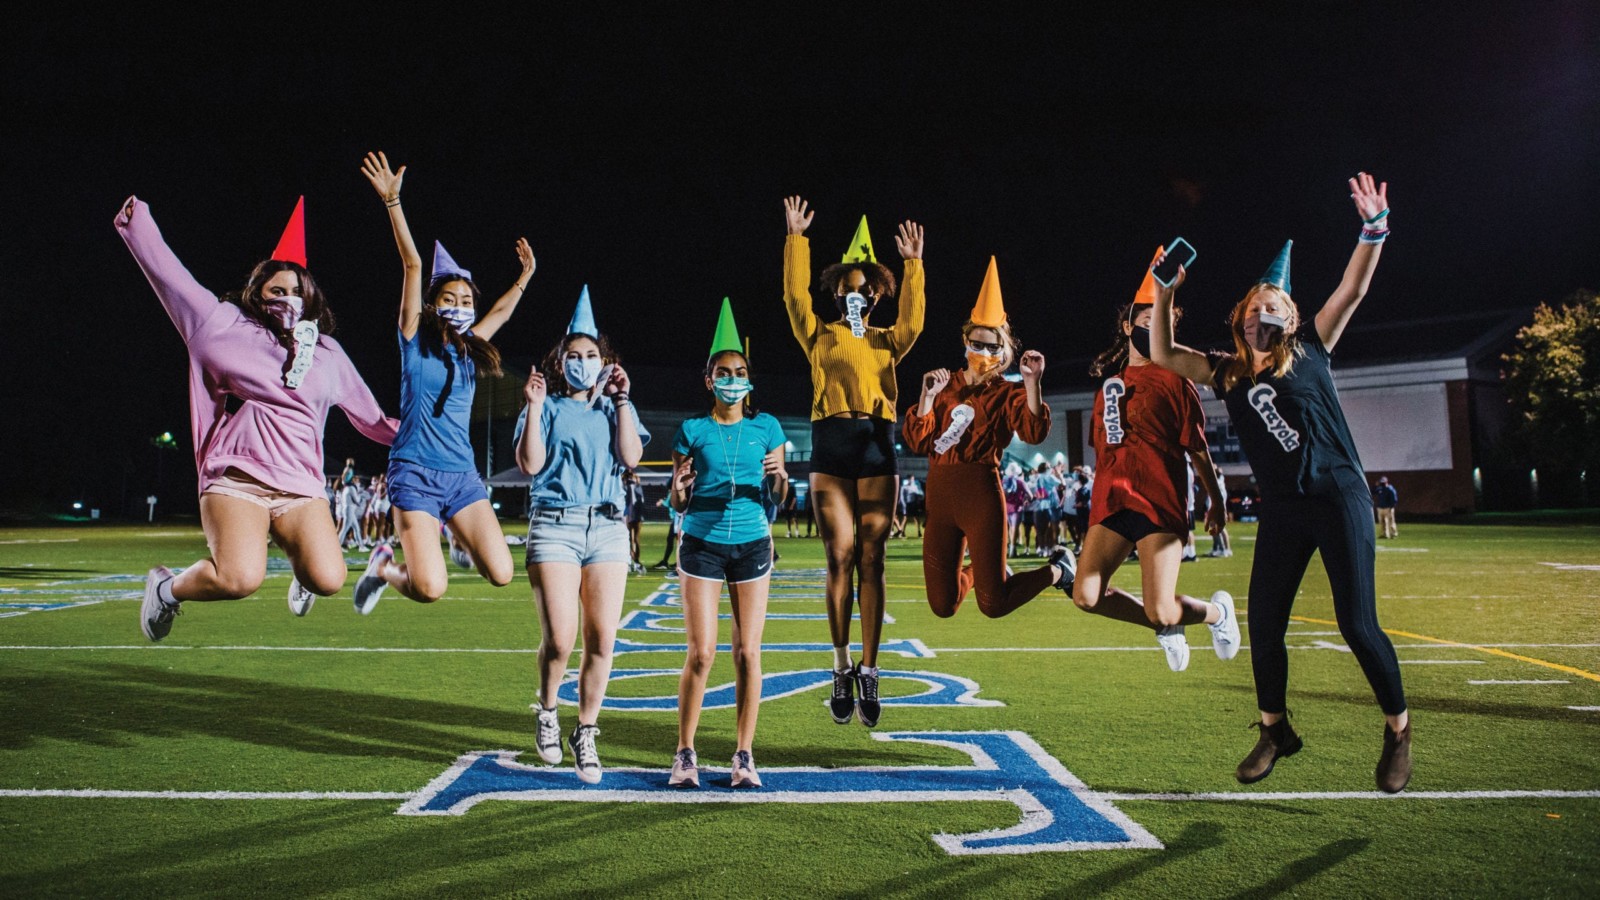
column 1134, row 527
column 852, row 448
column 733, row 563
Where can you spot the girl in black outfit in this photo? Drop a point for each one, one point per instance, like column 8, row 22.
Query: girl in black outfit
column 1280, row 395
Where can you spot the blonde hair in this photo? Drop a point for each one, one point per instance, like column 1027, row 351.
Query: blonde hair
column 1243, row 361
column 1007, row 339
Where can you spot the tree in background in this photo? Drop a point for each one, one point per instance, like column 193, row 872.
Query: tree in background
column 1552, row 380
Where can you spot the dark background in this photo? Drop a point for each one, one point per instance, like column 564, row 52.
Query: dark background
column 646, row 153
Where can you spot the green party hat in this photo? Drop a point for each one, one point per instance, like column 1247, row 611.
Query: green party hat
column 727, row 337
column 860, row 249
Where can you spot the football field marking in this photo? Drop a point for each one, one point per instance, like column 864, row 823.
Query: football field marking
column 1557, row 681
column 1481, row 648
column 1584, row 708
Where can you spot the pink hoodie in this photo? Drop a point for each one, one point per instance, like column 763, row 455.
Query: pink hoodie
column 275, row 437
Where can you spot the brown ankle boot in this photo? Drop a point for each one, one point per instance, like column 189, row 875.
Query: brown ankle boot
column 1277, row 740
column 1394, row 765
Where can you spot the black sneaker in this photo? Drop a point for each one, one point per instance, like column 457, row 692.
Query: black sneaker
column 1061, row 556
column 867, row 705
column 843, row 704
column 585, row 758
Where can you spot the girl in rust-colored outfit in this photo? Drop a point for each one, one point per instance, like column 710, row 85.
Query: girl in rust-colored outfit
column 962, row 423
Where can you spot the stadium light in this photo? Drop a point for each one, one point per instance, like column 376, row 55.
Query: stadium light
column 77, row 506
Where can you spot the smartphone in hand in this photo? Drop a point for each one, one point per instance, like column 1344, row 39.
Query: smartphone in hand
column 1179, row 253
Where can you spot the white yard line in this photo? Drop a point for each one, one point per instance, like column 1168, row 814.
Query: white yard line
column 1535, row 681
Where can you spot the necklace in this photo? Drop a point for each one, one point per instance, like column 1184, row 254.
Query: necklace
column 727, row 459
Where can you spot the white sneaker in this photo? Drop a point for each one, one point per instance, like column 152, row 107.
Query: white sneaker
column 547, row 736
column 685, row 770
column 460, row 556
column 300, row 599
column 1225, row 634
column 585, row 758
column 155, row 616
column 1173, row 641
column 371, row 585
column 744, row 770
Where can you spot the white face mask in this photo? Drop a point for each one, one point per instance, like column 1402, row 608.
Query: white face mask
column 581, row 372
column 287, row 308
column 458, row 317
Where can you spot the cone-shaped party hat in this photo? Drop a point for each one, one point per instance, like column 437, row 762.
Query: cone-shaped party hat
column 860, row 249
column 292, row 244
column 1148, row 289
column 583, row 317
column 727, row 336
column 990, row 310
column 1278, row 273
column 444, row 266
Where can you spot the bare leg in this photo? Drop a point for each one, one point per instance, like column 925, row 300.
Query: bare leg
column 749, row 619
column 602, row 589
column 874, row 509
column 1160, row 556
column 422, row 577
column 700, row 600
column 555, row 596
column 477, row 529
column 834, row 500
column 307, row 537
column 236, row 531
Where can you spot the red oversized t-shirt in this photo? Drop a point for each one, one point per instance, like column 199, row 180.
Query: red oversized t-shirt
column 1146, row 419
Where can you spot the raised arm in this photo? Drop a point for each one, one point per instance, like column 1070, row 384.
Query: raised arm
column 1372, row 204
column 1164, row 351
column 501, row 312
column 1031, row 418
column 387, row 183
column 797, row 273
column 530, row 444
column 913, row 292
column 186, row 302
column 629, row 444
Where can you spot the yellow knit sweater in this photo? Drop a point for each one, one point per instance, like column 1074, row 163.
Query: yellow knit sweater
column 849, row 373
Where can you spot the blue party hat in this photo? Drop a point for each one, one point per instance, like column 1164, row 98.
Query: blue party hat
column 583, row 317
column 444, row 266
column 1278, row 273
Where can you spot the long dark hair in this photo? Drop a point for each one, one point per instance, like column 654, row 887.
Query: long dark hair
column 711, row 365
column 552, row 364
column 250, row 300
column 435, row 332
column 1114, row 357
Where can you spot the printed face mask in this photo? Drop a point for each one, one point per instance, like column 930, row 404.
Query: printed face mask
column 1140, row 339
column 582, row 372
column 459, row 317
column 1260, row 331
column 288, row 309
column 730, row 390
column 855, row 307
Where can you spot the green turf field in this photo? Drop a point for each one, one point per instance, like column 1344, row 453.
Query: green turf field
column 258, row 721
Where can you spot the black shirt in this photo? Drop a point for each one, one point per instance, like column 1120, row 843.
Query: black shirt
column 1291, row 428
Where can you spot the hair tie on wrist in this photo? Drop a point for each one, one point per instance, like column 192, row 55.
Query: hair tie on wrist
column 1377, row 218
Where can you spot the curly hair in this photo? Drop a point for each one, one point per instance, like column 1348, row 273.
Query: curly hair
column 1115, row 356
column 879, row 279
column 553, row 365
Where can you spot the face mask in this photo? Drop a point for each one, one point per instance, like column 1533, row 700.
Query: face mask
column 730, row 390
column 582, row 372
column 1140, row 339
column 983, row 363
column 855, row 307
column 459, row 317
column 287, row 308
column 1261, row 331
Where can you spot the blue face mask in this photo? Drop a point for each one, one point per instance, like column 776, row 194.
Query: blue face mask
column 459, row 317
column 582, row 372
column 730, row 390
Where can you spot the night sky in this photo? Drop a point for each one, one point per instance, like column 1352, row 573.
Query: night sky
column 647, row 156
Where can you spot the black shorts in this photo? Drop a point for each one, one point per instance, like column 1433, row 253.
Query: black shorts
column 733, row 563
column 1134, row 527
column 852, row 448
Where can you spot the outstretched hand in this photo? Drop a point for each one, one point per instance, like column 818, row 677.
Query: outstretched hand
column 524, row 256
column 796, row 215
column 1371, row 198
column 384, row 180
column 1164, row 294
column 683, row 476
column 909, row 240
column 534, row 390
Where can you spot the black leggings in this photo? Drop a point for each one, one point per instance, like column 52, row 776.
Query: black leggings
column 1340, row 526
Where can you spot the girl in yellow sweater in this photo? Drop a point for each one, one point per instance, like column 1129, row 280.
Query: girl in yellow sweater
column 853, row 483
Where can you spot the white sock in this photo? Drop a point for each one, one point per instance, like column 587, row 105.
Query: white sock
column 841, row 659
column 867, row 670
column 164, row 591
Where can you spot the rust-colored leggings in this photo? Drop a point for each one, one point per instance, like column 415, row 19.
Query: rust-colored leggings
column 966, row 509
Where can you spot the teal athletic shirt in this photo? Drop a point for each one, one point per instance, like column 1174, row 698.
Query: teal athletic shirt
column 726, row 507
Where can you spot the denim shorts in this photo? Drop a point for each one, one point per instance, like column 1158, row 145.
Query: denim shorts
column 416, row 488
column 733, row 563
column 579, row 535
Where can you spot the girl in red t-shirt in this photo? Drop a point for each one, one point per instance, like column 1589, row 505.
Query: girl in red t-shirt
column 1146, row 420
